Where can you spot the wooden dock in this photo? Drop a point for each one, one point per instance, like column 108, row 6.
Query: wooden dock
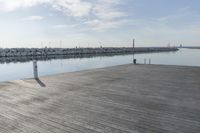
column 120, row 99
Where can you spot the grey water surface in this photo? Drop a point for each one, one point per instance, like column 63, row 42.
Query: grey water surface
column 21, row 70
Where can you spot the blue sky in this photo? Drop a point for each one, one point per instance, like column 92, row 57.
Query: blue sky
column 91, row 23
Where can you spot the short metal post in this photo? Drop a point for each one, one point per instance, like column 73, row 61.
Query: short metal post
column 134, row 61
column 149, row 61
column 145, row 61
column 35, row 69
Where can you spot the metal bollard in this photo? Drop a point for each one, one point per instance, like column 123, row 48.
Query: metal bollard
column 149, row 61
column 35, row 69
column 145, row 61
column 134, row 61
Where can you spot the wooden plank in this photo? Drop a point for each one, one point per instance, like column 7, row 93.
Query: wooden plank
column 121, row 99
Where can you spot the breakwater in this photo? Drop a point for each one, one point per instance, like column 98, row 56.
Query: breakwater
column 191, row 47
column 28, row 54
column 20, row 52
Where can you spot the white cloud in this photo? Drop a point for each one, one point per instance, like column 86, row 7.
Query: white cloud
column 107, row 10
column 107, row 15
column 59, row 26
column 77, row 8
column 101, row 14
column 11, row 5
column 70, row 7
column 33, row 18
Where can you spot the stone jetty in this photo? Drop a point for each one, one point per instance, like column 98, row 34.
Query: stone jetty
column 24, row 52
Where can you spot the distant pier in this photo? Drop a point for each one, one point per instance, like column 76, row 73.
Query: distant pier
column 13, row 52
column 190, row 47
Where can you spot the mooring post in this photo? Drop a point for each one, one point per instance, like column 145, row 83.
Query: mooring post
column 35, row 69
column 149, row 61
column 134, row 60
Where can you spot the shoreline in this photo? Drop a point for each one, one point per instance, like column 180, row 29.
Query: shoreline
column 93, row 69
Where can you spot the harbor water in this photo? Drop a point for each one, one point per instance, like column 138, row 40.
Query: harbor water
column 22, row 70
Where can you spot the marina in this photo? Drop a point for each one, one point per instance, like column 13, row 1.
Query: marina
column 99, row 66
column 21, row 68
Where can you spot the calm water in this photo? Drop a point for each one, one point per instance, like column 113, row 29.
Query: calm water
column 13, row 71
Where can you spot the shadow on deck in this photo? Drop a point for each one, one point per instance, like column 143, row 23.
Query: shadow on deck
column 40, row 82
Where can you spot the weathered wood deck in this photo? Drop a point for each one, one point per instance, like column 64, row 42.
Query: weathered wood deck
column 121, row 99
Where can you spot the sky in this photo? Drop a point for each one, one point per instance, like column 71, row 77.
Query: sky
column 94, row 23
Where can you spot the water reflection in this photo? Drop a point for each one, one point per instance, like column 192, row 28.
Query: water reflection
column 52, row 57
column 24, row 59
column 20, row 69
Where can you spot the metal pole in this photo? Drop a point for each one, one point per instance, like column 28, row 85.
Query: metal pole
column 134, row 60
column 149, row 61
column 35, row 69
column 133, row 46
